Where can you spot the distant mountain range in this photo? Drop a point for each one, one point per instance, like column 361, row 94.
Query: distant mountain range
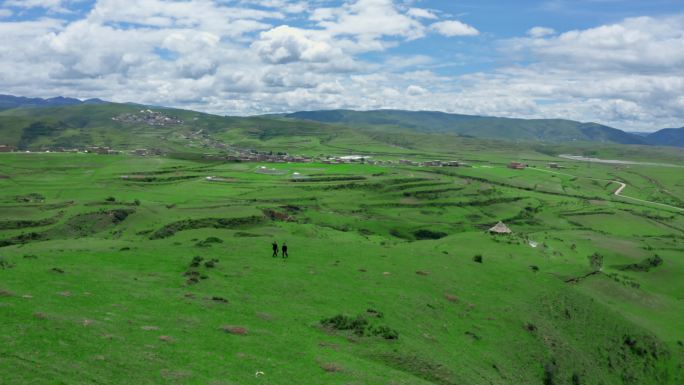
column 667, row 137
column 9, row 101
column 65, row 112
column 550, row 130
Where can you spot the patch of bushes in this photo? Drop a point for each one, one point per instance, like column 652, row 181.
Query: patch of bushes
column 217, row 223
column 477, row 258
column 208, row 242
column 22, row 223
column 357, row 324
column 644, row 266
column 24, row 238
column 196, row 261
column 384, row 332
column 30, row 198
column 193, row 271
column 211, row 264
column 428, row 234
column 360, row 325
column 596, row 261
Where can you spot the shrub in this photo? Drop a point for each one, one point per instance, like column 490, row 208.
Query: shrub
column 360, row 326
column 110, row 199
column 342, row 322
column 645, row 265
column 428, row 234
column 196, row 261
column 136, row 202
column 211, row 264
column 385, row 332
column 596, row 261
column 477, row 258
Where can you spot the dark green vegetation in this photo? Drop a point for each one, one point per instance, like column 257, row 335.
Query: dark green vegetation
column 391, row 279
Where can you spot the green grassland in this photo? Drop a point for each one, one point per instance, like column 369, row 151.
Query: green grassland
column 98, row 283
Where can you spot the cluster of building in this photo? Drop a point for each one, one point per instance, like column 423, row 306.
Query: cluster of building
column 6, row 148
column 432, row 163
column 522, row 166
column 149, row 117
column 261, row 157
column 101, row 150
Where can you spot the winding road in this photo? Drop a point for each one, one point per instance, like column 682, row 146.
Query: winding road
column 617, row 192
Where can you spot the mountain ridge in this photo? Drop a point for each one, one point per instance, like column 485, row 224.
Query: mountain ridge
column 553, row 130
column 394, row 121
column 11, row 101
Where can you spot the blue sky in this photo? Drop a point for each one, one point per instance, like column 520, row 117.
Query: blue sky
column 615, row 62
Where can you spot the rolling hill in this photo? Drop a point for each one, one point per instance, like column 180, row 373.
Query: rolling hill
column 9, row 101
column 667, row 137
column 550, row 130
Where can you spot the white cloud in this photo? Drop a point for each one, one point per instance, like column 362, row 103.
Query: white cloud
column 5, row 13
column 421, row 13
column 540, row 32
column 414, row 90
column 246, row 56
column 367, row 20
column 285, row 44
column 452, row 28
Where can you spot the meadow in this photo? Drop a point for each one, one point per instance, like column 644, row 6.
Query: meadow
column 140, row 270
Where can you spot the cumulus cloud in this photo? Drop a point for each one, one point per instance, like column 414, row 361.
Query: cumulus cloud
column 368, row 20
column 642, row 44
column 452, row 28
column 285, row 44
column 249, row 56
column 5, row 13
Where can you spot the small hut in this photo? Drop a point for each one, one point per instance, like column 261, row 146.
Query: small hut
column 517, row 165
column 500, row 228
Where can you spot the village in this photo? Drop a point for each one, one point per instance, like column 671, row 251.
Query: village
column 235, row 154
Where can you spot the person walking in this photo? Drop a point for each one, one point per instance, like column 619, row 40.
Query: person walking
column 284, row 253
column 275, row 249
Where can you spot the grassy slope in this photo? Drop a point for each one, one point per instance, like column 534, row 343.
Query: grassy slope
column 554, row 130
column 353, row 248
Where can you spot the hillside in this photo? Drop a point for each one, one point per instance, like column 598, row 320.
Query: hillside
column 162, row 264
column 391, row 275
column 667, row 137
column 551, row 130
column 9, row 101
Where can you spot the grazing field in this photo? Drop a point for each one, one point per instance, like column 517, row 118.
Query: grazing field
column 141, row 270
